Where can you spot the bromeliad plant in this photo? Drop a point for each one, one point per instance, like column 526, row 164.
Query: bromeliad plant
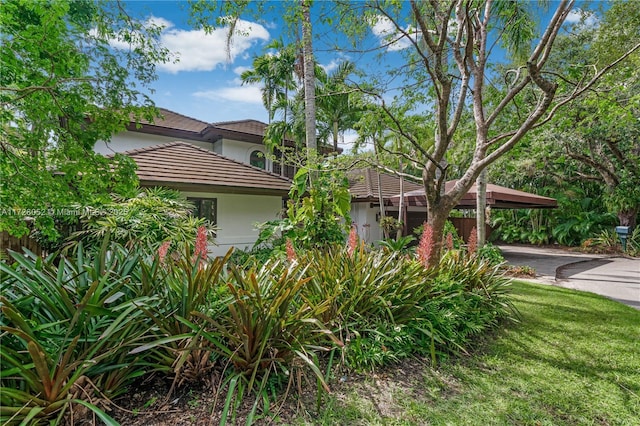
column 186, row 283
column 268, row 328
column 66, row 329
column 366, row 285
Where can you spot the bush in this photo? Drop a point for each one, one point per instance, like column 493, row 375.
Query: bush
column 491, row 254
column 149, row 219
column 67, row 329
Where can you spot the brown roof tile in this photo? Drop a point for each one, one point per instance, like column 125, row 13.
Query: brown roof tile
column 363, row 185
column 185, row 166
column 252, row 127
column 173, row 120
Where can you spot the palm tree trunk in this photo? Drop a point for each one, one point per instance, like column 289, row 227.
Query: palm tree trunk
column 309, row 82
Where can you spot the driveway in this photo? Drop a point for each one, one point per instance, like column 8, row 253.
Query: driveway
column 617, row 278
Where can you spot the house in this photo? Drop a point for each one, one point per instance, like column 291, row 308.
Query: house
column 225, row 170
column 222, row 168
column 366, row 187
column 233, row 195
column 240, row 140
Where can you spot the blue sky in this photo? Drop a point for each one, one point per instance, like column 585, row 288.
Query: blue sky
column 205, row 82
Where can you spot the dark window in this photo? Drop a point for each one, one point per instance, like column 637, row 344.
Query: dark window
column 257, row 159
column 206, row 208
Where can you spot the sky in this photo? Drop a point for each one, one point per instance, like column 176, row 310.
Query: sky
column 204, row 82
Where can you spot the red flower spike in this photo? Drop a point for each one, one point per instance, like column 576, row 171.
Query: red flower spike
column 163, row 250
column 353, row 240
column 201, row 250
column 291, row 253
column 472, row 244
column 426, row 245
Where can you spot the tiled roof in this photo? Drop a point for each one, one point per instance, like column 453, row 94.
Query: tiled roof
column 498, row 197
column 173, row 120
column 252, row 127
column 184, row 166
column 363, row 185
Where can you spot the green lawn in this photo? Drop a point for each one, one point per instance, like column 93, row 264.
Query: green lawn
column 573, row 360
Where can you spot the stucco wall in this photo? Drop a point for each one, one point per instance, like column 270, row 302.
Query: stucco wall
column 237, row 215
column 127, row 141
column 241, row 151
column 365, row 218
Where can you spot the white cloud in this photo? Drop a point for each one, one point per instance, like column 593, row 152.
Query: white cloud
column 331, row 66
column 247, row 94
column 158, row 22
column 195, row 50
column 576, row 16
column 199, row 51
column 241, row 69
column 386, row 32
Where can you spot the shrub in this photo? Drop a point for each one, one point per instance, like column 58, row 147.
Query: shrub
column 491, row 254
column 402, row 244
column 268, row 327
column 186, row 284
column 365, row 287
column 149, row 219
column 67, row 329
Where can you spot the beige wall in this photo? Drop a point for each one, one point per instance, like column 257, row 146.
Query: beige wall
column 365, row 218
column 237, row 216
column 127, row 141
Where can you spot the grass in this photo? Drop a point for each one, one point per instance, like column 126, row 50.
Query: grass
column 574, row 359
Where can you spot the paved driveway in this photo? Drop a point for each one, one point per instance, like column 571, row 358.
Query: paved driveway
column 617, row 278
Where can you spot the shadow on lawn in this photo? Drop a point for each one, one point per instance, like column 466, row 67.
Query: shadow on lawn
column 584, row 334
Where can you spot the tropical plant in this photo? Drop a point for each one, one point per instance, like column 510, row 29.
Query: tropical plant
column 152, row 217
column 401, row 244
column 68, row 325
column 317, row 215
column 60, row 96
column 365, row 287
column 187, row 284
column 335, row 113
column 267, row 329
column 472, row 295
column 491, row 254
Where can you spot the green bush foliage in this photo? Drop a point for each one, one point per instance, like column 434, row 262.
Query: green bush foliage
column 67, row 328
column 86, row 325
column 153, row 216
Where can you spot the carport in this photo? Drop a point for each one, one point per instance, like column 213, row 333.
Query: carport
column 498, row 197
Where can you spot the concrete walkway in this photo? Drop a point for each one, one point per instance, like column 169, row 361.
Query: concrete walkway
column 617, row 278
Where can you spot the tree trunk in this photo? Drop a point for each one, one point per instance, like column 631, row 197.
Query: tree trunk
column 401, row 207
column 385, row 233
column 481, row 206
column 335, row 136
column 309, row 82
column 437, row 217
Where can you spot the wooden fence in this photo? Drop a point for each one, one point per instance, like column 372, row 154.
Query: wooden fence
column 464, row 225
column 8, row 242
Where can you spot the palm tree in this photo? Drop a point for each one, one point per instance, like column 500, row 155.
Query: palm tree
column 264, row 71
column 335, row 113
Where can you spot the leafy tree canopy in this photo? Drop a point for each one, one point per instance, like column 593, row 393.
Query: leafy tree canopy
column 73, row 73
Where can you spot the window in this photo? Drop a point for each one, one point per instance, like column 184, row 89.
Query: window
column 257, row 159
column 206, row 208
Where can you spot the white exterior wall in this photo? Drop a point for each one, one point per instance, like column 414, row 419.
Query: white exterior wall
column 365, row 218
column 241, row 151
column 237, row 215
column 127, row 141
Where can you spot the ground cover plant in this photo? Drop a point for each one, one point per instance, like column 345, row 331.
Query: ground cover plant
column 87, row 328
